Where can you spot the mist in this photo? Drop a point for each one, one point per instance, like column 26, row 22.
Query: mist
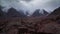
column 30, row 5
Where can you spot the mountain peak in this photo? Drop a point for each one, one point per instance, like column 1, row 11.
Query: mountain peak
column 56, row 11
column 13, row 12
column 45, row 12
column 37, row 13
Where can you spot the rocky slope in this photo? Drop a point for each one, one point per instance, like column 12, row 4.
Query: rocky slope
column 32, row 25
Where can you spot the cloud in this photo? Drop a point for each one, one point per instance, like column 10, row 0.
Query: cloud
column 31, row 5
column 27, row 0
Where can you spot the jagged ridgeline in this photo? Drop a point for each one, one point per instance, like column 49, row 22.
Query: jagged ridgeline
column 12, row 12
column 56, row 11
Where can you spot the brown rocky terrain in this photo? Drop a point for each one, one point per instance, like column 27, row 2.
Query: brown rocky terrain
column 32, row 25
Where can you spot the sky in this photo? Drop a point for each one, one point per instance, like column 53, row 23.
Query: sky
column 31, row 5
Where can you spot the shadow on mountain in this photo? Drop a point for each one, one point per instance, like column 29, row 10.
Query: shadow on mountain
column 14, row 13
column 56, row 12
column 37, row 13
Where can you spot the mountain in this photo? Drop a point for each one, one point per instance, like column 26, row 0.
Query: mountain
column 22, row 14
column 36, row 13
column 14, row 13
column 39, row 12
column 56, row 12
column 27, row 14
column 2, row 13
column 45, row 12
column 55, row 15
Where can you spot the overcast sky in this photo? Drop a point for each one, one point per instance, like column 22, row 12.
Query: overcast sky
column 31, row 5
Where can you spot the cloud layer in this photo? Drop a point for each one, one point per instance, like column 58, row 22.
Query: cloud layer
column 31, row 5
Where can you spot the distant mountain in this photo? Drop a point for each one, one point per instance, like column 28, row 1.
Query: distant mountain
column 22, row 14
column 2, row 14
column 14, row 13
column 27, row 14
column 45, row 12
column 36, row 13
column 56, row 12
column 55, row 15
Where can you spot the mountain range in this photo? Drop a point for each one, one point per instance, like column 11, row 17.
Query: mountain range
column 48, row 23
column 12, row 12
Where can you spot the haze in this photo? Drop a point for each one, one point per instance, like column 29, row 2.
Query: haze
column 31, row 5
